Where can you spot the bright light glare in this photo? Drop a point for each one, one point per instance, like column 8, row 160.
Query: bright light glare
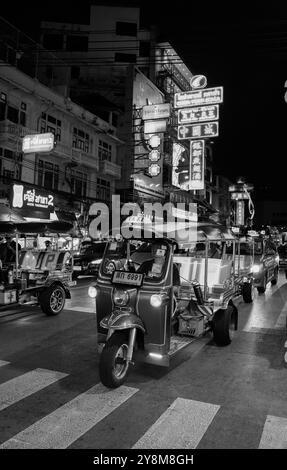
column 256, row 268
column 155, row 300
column 92, row 292
column 156, row 356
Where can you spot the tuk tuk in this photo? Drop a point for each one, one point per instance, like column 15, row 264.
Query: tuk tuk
column 156, row 298
column 37, row 276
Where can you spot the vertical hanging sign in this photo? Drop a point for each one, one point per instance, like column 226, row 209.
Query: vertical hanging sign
column 240, row 212
column 197, row 157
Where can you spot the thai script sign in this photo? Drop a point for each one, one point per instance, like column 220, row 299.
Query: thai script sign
column 38, row 143
column 198, row 97
column 30, row 200
column 195, row 131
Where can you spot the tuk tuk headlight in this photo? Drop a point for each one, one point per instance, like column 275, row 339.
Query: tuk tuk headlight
column 121, row 297
column 256, row 268
column 92, row 292
column 156, row 300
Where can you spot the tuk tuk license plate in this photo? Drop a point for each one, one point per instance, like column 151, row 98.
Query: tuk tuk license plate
column 121, row 277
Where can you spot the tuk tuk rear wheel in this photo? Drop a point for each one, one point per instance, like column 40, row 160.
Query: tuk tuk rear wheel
column 52, row 300
column 224, row 325
column 113, row 364
column 248, row 292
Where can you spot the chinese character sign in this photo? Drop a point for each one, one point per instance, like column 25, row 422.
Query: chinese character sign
column 195, row 131
column 196, row 165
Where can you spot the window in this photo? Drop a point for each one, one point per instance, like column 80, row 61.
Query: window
column 126, row 29
column 77, row 43
column 79, row 183
column 81, row 140
column 48, row 175
column 105, row 151
column 121, row 57
column 103, row 190
column 11, row 163
column 53, row 41
column 51, row 124
column 13, row 114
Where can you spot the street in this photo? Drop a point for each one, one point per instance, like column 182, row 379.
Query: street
column 211, row 397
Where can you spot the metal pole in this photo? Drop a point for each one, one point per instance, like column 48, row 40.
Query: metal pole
column 17, row 253
column 206, row 270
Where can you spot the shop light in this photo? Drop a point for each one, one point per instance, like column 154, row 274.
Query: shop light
column 256, row 268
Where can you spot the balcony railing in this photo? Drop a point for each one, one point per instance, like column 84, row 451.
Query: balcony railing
column 15, row 131
column 111, row 169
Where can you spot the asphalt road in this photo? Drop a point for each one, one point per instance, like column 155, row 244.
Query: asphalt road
column 231, row 397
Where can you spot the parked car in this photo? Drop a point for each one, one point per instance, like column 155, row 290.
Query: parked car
column 89, row 259
column 282, row 251
column 266, row 263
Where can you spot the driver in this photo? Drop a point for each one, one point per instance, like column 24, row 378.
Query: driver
column 154, row 265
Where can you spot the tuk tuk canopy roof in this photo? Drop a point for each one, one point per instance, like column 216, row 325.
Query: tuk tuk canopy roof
column 25, row 227
column 183, row 233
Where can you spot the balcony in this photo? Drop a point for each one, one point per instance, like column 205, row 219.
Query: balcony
column 110, row 169
column 13, row 133
column 84, row 158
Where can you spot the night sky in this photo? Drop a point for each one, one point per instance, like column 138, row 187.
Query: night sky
column 242, row 47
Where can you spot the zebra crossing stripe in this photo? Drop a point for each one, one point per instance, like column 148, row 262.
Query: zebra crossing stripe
column 68, row 423
column 26, row 384
column 4, row 363
column 181, row 426
column 274, row 435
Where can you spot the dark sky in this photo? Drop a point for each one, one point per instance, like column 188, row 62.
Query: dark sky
column 242, row 47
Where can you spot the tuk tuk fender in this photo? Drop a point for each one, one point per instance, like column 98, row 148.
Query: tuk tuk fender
column 54, row 283
column 122, row 321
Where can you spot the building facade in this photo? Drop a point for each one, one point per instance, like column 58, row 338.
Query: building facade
column 82, row 165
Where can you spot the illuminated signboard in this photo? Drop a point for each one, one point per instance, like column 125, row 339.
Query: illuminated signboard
column 198, row 81
column 156, row 111
column 180, row 166
column 198, row 114
column 198, row 97
column 38, row 143
column 237, row 196
column 31, row 202
column 158, row 125
column 195, row 131
column 240, row 213
column 196, row 165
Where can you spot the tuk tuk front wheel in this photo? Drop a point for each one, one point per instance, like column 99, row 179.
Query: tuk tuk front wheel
column 113, row 361
column 248, row 292
column 262, row 289
column 224, row 325
column 52, row 300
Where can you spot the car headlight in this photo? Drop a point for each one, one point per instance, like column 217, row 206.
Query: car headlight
column 256, row 268
column 96, row 261
column 92, row 292
column 156, row 300
column 121, row 297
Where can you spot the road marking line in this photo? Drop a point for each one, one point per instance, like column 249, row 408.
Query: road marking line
column 24, row 385
column 274, row 435
column 68, row 423
column 285, row 345
column 181, row 426
column 4, row 363
column 80, row 309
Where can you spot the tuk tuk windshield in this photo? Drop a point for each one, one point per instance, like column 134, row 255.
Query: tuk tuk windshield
column 146, row 257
